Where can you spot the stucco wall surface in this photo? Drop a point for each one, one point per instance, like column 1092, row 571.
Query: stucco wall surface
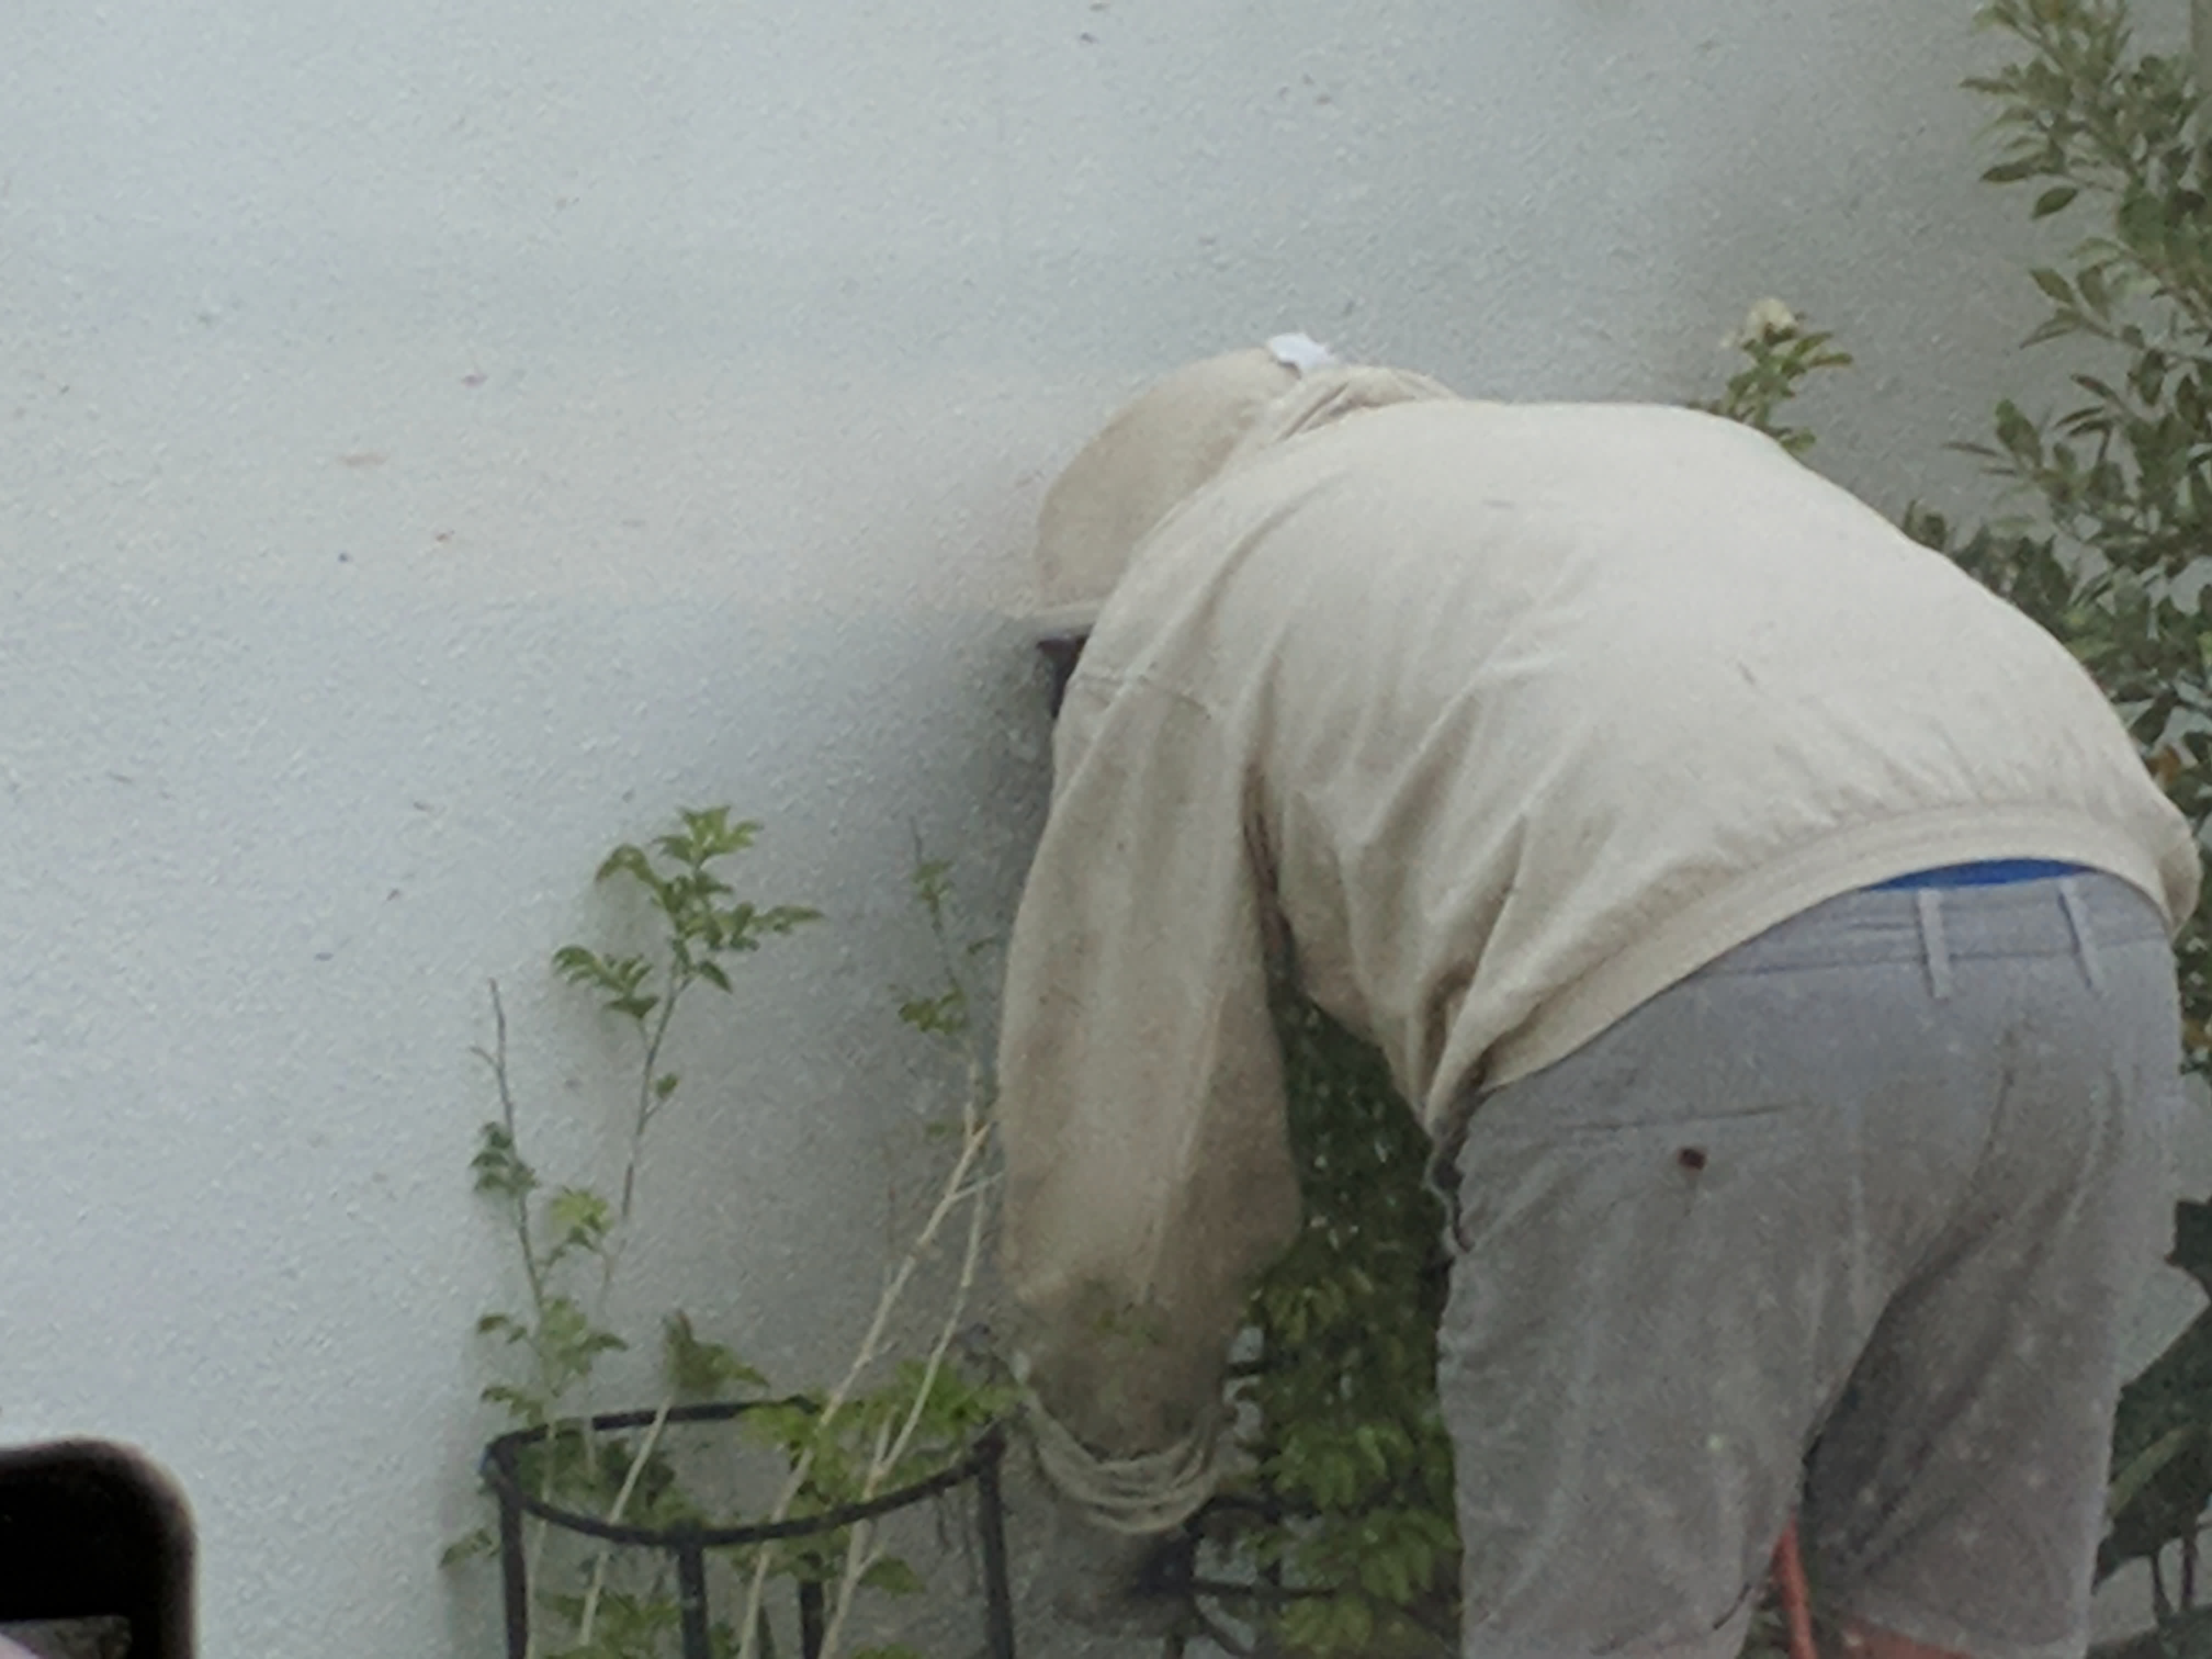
column 438, row 439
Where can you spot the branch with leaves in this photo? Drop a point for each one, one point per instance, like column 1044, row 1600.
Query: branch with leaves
column 1781, row 355
column 2108, row 555
column 924, row 1406
column 866, row 1436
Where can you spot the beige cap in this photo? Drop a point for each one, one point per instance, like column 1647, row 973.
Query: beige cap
column 1176, row 437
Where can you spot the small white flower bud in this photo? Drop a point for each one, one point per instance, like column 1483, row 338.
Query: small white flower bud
column 1769, row 319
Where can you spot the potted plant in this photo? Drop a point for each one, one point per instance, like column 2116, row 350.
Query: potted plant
column 666, row 1529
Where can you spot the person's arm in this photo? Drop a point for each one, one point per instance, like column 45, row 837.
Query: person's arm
column 1148, row 1173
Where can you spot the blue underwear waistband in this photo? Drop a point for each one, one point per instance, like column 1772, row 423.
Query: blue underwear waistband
column 1986, row 873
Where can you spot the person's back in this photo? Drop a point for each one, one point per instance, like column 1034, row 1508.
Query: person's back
column 1574, row 697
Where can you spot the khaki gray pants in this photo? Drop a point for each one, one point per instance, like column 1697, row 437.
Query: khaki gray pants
column 1853, row 1216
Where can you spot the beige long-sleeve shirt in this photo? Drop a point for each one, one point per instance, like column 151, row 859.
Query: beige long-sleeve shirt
column 1501, row 720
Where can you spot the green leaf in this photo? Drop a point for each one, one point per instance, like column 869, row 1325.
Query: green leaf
column 789, row 1425
column 469, row 1547
column 698, row 1369
column 709, row 833
column 631, row 861
column 2054, row 200
column 2095, row 292
column 2148, row 377
column 498, row 1166
column 2169, row 1483
column 2018, row 435
column 2053, row 284
column 521, row 1405
column 945, row 1015
column 578, row 1220
column 892, row 1577
column 576, row 963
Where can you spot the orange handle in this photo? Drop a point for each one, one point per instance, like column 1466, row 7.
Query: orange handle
column 1796, row 1599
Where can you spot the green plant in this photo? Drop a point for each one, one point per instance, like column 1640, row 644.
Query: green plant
column 854, row 1444
column 2122, row 480
column 2112, row 560
column 560, row 1332
column 886, row 1421
column 1780, row 354
column 1350, row 1502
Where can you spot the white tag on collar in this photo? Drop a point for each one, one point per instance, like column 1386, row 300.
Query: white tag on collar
column 1300, row 351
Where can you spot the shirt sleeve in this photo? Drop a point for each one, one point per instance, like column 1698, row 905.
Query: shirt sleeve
column 1149, row 1175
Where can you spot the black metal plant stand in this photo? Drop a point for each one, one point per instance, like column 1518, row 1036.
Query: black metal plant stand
column 690, row 1545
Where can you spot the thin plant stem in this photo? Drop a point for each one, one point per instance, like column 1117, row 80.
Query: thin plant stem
column 865, row 1356
column 887, row 1455
column 974, row 1133
column 679, row 982
column 519, row 1208
column 557, row 1372
column 630, row 1479
column 534, row 1273
column 958, row 1188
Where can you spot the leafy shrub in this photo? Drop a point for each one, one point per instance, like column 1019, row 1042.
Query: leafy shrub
column 2111, row 558
column 891, row 1420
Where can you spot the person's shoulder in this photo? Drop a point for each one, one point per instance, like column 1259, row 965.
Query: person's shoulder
column 1553, row 420
column 1493, row 438
column 1626, row 415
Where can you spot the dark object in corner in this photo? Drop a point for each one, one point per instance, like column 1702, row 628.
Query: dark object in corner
column 93, row 1533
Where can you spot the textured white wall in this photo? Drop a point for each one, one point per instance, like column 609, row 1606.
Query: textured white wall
column 438, row 440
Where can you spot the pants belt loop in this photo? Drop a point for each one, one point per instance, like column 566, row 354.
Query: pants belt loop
column 2085, row 943
column 1931, row 902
